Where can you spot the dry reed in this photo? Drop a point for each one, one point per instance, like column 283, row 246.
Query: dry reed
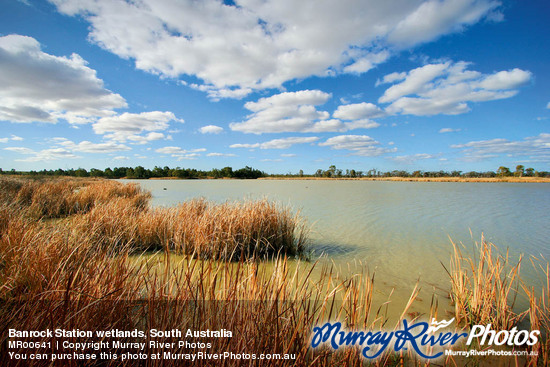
column 484, row 290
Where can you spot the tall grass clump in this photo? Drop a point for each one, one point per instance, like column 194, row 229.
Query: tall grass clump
column 484, row 287
column 228, row 231
column 118, row 215
column 43, row 198
column 539, row 310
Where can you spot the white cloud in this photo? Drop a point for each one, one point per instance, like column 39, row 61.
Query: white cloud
column 221, row 155
column 211, row 129
column 358, row 111
column 283, row 143
column 129, row 126
column 434, row 18
column 288, row 155
column 12, row 138
column 287, row 112
column 548, row 105
column 366, row 63
column 45, row 155
column 410, row 159
column 286, row 143
column 391, row 78
column 16, row 138
column 89, row 147
column 178, row 150
column 144, row 139
column 415, row 82
column 40, row 87
column 448, row 130
column 535, row 147
column 361, row 145
column 505, row 79
column 250, row 146
column 65, row 149
column 120, row 158
column 446, row 88
column 297, row 112
column 360, row 124
column 180, row 153
column 253, row 45
column 189, row 156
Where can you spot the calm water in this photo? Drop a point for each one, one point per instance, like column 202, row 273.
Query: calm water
column 400, row 230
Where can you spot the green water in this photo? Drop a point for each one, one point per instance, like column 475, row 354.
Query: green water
column 400, row 230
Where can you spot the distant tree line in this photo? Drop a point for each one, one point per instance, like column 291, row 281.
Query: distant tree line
column 247, row 172
column 333, row 172
column 140, row 172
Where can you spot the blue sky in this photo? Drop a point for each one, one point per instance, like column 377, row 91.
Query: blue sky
column 278, row 85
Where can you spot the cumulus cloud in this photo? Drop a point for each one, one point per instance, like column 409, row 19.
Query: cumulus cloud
column 211, row 129
column 251, row 45
column 434, row 18
column 129, row 126
column 369, row 61
column 40, row 87
column 287, row 112
column 448, row 130
column 283, row 143
column 535, row 147
column 297, row 112
column 361, row 145
column 89, row 147
column 358, row 111
column 447, row 88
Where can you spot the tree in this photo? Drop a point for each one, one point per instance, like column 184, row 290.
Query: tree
column 519, row 170
column 81, row 172
column 503, row 172
column 227, row 172
column 129, row 172
column 301, row 173
column 530, row 172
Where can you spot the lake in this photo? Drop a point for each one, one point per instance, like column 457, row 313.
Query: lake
column 400, row 230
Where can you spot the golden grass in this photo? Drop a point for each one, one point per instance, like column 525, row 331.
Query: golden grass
column 484, row 287
column 539, row 310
